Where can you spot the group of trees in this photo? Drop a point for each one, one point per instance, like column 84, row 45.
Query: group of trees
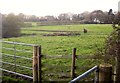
column 11, row 23
column 96, row 16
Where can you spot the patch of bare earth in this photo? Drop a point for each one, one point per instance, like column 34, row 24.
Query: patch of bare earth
column 63, row 34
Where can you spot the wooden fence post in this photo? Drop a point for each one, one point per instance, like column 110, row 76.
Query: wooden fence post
column 39, row 65
column 105, row 73
column 35, row 64
column 73, row 63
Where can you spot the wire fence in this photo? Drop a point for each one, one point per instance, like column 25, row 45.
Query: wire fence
column 26, row 60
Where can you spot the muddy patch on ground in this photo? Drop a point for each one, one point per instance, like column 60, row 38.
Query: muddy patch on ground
column 32, row 34
column 62, row 34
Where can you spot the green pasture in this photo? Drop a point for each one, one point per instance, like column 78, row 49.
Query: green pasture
column 62, row 45
column 87, row 44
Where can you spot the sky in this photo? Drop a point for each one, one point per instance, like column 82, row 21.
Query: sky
column 55, row 7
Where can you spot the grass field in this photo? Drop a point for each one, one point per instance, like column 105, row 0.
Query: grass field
column 54, row 44
column 62, row 45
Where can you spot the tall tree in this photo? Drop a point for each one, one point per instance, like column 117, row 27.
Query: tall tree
column 97, row 16
column 110, row 16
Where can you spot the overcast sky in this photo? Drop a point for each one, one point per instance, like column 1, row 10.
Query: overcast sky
column 55, row 7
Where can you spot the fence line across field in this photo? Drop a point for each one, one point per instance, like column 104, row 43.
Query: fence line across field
column 37, row 62
column 37, row 65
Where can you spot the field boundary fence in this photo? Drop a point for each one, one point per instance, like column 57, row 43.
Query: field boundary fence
column 38, row 63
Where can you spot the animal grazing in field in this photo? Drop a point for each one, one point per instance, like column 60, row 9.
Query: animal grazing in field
column 85, row 30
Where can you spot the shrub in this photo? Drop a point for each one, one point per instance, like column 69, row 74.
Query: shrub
column 113, row 46
column 11, row 26
column 113, row 41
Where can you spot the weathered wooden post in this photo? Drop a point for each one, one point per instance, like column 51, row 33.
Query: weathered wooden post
column 73, row 63
column 35, row 64
column 105, row 73
column 39, row 64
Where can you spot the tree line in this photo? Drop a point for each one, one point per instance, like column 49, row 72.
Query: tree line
column 12, row 23
column 96, row 16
